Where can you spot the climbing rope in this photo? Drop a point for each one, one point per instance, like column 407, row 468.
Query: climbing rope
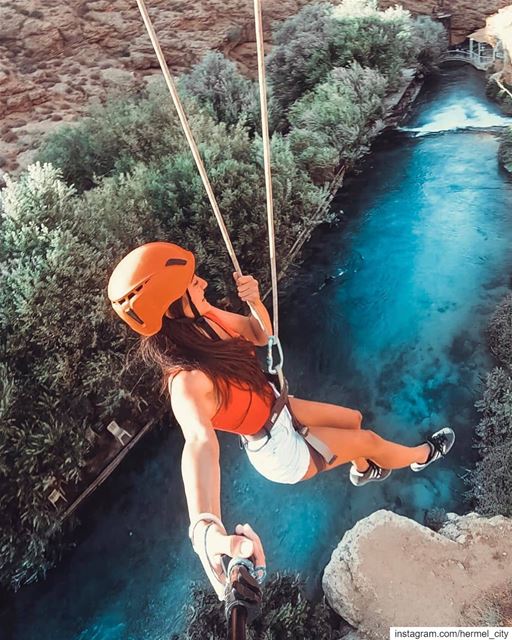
column 171, row 85
column 273, row 340
column 188, row 132
column 266, row 160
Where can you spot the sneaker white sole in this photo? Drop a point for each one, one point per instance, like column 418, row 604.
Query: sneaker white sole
column 359, row 481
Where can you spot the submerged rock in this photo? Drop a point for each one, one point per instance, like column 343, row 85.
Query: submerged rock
column 391, row 571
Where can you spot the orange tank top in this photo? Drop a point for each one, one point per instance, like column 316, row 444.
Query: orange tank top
column 246, row 411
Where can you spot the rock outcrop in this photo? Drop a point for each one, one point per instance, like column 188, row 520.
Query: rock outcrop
column 391, row 571
column 55, row 57
column 466, row 15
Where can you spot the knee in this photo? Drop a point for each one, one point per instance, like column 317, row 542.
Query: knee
column 372, row 438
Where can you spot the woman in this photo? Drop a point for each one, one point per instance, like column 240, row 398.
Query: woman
column 215, row 383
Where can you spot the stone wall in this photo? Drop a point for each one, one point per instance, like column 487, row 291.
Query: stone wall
column 467, row 15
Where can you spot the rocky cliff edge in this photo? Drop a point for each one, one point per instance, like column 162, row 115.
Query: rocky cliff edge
column 391, row 571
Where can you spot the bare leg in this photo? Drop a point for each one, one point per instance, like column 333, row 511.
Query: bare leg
column 349, row 445
column 323, row 414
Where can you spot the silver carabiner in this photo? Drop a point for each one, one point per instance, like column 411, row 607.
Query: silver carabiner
column 273, row 341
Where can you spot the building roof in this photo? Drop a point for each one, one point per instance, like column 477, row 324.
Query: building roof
column 483, row 35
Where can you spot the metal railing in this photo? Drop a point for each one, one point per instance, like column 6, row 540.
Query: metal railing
column 479, row 61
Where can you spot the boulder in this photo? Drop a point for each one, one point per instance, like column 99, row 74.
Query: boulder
column 391, row 571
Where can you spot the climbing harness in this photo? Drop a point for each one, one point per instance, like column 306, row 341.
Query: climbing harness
column 315, row 444
column 273, row 340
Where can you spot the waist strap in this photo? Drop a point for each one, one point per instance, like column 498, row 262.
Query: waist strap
column 315, row 443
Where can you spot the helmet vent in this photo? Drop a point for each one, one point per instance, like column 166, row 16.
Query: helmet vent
column 134, row 316
column 175, row 261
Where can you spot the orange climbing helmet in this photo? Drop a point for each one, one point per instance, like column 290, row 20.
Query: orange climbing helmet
column 147, row 281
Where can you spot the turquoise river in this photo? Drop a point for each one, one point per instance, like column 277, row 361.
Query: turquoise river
column 388, row 314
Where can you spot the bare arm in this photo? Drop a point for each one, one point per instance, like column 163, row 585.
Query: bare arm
column 193, row 403
column 248, row 326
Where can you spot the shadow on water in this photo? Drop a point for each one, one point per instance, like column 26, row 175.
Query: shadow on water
column 388, row 315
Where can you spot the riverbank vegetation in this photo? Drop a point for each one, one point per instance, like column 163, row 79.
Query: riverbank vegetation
column 491, row 481
column 286, row 614
column 505, row 150
column 124, row 176
column 500, row 94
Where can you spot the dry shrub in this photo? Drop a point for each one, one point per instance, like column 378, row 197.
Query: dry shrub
column 499, row 333
column 492, row 610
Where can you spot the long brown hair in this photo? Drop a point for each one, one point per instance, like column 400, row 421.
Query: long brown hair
column 182, row 345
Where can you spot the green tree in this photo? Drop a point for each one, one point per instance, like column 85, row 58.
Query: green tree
column 62, row 352
column 226, row 94
column 429, row 41
column 333, row 123
column 115, row 137
column 378, row 39
column 301, row 56
column 309, row 45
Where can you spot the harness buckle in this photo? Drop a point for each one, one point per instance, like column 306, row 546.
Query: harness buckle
column 273, row 341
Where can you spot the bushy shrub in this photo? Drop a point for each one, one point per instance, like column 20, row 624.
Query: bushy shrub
column 334, row 121
column 226, row 94
column 491, row 481
column 286, row 615
column 429, row 41
column 499, row 334
column 302, row 55
column 64, row 353
column 505, row 150
column 115, row 137
column 170, row 184
column 378, row 39
column 320, row 37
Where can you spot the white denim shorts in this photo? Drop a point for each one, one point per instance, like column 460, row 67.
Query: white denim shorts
column 281, row 457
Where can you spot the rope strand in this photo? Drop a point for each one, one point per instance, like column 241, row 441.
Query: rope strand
column 193, row 146
column 266, row 160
